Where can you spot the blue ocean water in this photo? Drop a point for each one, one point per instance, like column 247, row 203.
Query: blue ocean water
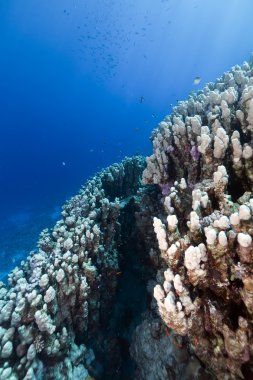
column 84, row 82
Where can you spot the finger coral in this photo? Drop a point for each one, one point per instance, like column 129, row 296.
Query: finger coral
column 207, row 143
column 57, row 298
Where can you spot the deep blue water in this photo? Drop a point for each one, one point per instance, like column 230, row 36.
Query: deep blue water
column 72, row 73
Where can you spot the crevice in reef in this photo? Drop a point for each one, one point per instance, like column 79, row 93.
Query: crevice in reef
column 79, row 307
column 112, row 343
column 235, row 188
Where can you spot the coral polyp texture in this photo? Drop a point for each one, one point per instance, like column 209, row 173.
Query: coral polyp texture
column 184, row 233
column 203, row 163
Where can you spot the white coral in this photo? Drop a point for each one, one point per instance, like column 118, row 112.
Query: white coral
column 211, row 235
column 244, row 212
column 44, row 280
column 221, row 141
column 160, row 233
column 172, row 222
column 50, row 295
column 244, row 240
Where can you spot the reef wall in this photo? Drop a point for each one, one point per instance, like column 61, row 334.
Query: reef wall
column 171, row 254
column 203, row 162
column 60, row 298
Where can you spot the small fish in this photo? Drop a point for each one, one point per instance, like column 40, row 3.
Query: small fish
column 141, row 99
column 197, row 80
column 63, row 163
column 154, row 115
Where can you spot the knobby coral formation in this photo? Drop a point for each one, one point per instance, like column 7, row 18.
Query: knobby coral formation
column 192, row 226
column 203, row 162
column 57, row 299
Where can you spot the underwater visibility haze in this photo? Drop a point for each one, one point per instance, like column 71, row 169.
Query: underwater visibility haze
column 83, row 85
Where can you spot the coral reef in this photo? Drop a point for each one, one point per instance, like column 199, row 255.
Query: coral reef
column 202, row 160
column 177, row 248
column 60, row 296
column 162, row 355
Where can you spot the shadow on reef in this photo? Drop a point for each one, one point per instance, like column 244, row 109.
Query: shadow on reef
column 111, row 344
